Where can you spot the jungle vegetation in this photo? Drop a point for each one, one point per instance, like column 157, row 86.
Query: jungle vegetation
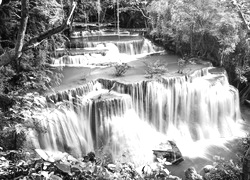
column 30, row 31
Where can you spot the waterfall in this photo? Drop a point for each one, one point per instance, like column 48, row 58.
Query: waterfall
column 137, row 116
column 84, row 53
column 196, row 107
column 135, row 47
column 80, row 124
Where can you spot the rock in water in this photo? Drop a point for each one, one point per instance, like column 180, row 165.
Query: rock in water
column 207, row 169
column 169, row 151
column 170, row 177
column 191, row 174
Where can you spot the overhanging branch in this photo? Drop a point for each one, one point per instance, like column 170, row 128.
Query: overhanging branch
column 142, row 12
column 235, row 3
column 37, row 40
column 6, row 58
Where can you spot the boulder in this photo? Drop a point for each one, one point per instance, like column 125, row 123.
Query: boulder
column 191, row 174
column 171, row 177
column 206, row 169
column 111, row 168
column 170, row 152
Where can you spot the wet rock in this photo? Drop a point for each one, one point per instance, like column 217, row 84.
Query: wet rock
column 170, row 152
column 76, row 169
column 111, row 167
column 64, row 167
column 191, row 174
column 171, row 177
column 55, row 177
column 51, row 156
column 207, row 169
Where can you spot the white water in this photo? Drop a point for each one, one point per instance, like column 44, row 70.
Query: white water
column 194, row 109
column 120, row 51
column 129, row 46
column 133, row 120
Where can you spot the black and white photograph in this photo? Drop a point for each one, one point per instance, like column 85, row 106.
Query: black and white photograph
column 124, row 90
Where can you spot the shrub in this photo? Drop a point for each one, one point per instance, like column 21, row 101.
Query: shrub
column 181, row 65
column 224, row 170
column 59, row 165
column 121, row 69
column 155, row 68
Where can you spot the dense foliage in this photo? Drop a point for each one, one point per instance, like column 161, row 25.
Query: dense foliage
column 19, row 165
column 57, row 165
column 29, row 72
column 213, row 30
column 132, row 13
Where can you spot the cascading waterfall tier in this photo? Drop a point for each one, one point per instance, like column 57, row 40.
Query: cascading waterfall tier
column 137, row 116
column 130, row 47
column 67, row 129
column 92, row 53
column 82, row 119
column 197, row 106
column 73, row 93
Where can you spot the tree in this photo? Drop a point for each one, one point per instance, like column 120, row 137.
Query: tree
column 217, row 31
column 14, row 54
column 40, row 25
column 199, row 26
column 26, row 54
column 133, row 13
column 137, row 11
column 85, row 10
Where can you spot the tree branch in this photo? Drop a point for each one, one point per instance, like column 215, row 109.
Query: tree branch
column 235, row 3
column 143, row 14
column 37, row 40
column 6, row 57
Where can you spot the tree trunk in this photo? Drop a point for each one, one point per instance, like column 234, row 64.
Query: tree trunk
column 21, row 33
column 192, row 40
column 14, row 54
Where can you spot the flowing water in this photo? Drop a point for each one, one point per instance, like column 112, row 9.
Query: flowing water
column 83, row 53
column 128, row 120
